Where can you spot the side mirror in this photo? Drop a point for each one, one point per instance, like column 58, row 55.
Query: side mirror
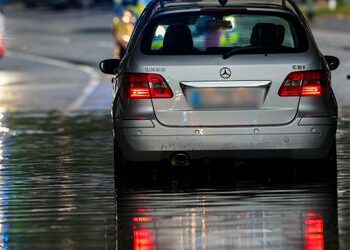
column 333, row 62
column 109, row 66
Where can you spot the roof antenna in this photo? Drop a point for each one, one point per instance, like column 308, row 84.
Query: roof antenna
column 223, row 2
column 284, row 3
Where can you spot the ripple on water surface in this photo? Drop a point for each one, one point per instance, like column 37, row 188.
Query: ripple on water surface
column 56, row 182
column 57, row 192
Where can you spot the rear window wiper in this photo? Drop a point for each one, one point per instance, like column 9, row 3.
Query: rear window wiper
column 242, row 50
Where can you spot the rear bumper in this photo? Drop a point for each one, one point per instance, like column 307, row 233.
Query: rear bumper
column 304, row 138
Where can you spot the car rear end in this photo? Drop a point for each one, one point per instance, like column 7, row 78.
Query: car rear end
column 235, row 81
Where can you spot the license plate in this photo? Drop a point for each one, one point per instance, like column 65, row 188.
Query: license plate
column 223, row 98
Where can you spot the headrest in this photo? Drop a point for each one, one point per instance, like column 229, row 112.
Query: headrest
column 267, row 35
column 178, row 39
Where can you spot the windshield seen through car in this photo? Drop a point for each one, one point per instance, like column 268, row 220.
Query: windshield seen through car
column 201, row 33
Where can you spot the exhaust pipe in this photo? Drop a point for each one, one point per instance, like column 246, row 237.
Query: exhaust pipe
column 180, row 160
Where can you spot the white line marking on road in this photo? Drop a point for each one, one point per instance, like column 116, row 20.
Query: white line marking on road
column 94, row 79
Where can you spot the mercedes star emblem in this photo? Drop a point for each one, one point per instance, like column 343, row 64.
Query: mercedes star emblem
column 225, row 72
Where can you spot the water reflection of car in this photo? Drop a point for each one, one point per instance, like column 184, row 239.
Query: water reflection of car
column 251, row 83
column 2, row 35
column 282, row 217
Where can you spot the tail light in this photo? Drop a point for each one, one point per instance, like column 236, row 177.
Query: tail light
column 305, row 83
column 2, row 47
column 146, row 86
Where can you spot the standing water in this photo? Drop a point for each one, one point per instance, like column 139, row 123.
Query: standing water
column 58, row 192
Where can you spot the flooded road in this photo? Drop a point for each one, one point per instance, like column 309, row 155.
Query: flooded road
column 57, row 192
column 57, row 187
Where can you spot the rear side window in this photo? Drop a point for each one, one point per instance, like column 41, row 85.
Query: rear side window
column 219, row 33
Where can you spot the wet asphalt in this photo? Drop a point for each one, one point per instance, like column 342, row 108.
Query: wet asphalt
column 58, row 192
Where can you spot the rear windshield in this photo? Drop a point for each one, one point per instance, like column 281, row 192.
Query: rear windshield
column 219, row 33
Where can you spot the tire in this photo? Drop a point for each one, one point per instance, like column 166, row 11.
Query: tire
column 59, row 5
column 121, row 165
column 131, row 170
column 324, row 167
column 329, row 164
column 84, row 4
column 30, row 4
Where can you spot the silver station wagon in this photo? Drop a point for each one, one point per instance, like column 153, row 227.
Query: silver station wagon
column 223, row 79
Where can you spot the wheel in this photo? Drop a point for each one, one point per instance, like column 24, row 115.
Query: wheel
column 30, row 4
column 131, row 170
column 325, row 167
column 84, row 4
column 329, row 164
column 121, row 165
column 59, row 4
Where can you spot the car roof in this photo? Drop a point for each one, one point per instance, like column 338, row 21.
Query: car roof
column 163, row 5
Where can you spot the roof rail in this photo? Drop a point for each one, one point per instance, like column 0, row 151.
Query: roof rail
column 153, row 3
column 222, row 2
column 284, row 3
column 161, row 3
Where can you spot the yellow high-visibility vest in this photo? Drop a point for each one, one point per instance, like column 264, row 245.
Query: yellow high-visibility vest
column 228, row 39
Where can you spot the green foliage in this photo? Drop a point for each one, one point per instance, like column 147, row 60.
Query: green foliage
column 342, row 9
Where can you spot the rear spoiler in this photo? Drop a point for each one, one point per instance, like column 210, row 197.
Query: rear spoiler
column 286, row 4
column 162, row 3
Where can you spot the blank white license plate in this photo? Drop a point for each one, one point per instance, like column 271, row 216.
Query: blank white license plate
column 223, row 98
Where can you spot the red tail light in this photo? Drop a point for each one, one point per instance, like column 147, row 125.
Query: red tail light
column 305, row 83
column 2, row 47
column 146, row 86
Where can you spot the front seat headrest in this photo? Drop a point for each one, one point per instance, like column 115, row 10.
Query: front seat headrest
column 267, row 35
column 178, row 39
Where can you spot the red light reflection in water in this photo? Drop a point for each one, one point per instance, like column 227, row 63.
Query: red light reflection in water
column 143, row 239
column 142, row 219
column 314, row 231
column 142, row 210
